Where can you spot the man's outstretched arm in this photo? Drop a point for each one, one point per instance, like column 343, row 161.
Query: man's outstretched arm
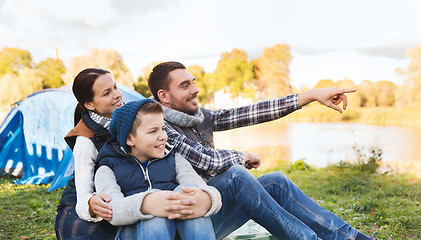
column 330, row 97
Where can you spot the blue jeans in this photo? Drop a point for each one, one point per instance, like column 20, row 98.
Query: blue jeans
column 277, row 204
column 163, row 228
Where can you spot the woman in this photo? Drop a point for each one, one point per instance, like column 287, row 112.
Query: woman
column 97, row 96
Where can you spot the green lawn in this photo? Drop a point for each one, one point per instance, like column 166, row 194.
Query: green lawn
column 388, row 204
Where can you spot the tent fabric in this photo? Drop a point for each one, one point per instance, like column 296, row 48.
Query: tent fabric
column 31, row 136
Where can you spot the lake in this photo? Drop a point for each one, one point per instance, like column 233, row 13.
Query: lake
column 321, row 144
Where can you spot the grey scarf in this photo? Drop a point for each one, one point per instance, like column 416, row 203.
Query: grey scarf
column 101, row 120
column 182, row 119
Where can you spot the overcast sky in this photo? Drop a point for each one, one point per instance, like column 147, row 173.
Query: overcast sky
column 358, row 39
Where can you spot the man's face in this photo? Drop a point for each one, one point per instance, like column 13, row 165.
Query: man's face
column 182, row 92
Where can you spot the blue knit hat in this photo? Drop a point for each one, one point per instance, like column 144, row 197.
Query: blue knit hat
column 123, row 118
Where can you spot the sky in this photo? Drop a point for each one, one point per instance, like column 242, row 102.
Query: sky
column 329, row 39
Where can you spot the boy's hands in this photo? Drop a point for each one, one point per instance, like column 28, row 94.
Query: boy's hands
column 188, row 204
column 194, row 203
column 330, row 97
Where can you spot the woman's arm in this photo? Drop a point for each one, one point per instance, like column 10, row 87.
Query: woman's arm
column 84, row 154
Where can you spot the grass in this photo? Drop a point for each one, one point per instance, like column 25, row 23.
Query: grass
column 27, row 211
column 388, row 204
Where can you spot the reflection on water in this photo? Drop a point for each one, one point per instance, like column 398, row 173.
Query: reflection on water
column 321, row 144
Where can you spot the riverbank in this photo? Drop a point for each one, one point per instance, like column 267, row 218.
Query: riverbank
column 388, row 204
column 369, row 115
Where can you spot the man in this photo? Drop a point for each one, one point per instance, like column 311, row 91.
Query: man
column 191, row 128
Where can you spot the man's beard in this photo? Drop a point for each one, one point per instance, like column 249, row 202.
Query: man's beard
column 182, row 106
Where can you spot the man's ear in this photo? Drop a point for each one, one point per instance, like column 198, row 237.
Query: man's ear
column 163, row 96
column 129, row 140
column 89, row 106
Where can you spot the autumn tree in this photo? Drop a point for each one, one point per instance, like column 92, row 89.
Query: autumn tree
column 19, row 86
column 325, row 83
column 409, row 94
column 51, row 71
column 141, row 86
column 100, row 58
column 368, row 93
column 272, row 71
column 234, row 73
column 14, row 60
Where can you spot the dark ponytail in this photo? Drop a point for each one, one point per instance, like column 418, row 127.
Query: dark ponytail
column 82, row 89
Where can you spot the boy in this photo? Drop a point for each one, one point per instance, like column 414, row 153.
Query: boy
column 136, row 162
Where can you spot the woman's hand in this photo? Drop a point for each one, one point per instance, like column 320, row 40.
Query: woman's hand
column 98, row 206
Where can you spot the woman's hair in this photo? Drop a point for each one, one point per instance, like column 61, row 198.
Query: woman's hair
column 82, row 89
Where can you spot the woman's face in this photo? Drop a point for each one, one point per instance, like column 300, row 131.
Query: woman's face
column 107, row 96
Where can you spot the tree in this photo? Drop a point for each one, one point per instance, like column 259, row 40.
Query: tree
column 385, row 93
column 14, row 60
column 141, row 86
column 325, row 83
column 51, row 71
column 100, row 58
column 234, row 73
column 409, row 94
column 272, row 71
column 19, row 86
column 368, row 93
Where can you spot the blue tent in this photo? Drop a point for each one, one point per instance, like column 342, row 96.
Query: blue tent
column 31, row 137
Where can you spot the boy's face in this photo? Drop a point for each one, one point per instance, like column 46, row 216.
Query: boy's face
column 150, row 138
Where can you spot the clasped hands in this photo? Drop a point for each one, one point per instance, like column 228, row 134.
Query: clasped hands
column 190, row 203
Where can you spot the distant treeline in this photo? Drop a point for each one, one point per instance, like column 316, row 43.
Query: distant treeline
column 262, row 78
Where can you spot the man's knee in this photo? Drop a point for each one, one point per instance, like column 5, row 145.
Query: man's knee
column 238, row 171
column 274, row 178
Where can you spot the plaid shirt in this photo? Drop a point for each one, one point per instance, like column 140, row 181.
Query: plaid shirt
column 217, row 160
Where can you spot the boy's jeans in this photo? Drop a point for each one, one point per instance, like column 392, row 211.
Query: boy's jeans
column 277, row 204
column 163, row 228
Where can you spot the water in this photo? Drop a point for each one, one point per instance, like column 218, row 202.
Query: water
column 321, row 144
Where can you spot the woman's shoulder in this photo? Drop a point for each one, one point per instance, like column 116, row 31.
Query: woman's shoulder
column 81, row 129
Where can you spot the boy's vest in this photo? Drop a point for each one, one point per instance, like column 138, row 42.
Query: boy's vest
column 88, row 128
column 133, row 178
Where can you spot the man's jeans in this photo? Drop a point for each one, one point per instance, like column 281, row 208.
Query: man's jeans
column 163, row 229
column 275, row 203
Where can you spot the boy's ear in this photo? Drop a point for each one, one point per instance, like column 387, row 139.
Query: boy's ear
column 163, row 96
column 129, row 140
column 89, row 106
